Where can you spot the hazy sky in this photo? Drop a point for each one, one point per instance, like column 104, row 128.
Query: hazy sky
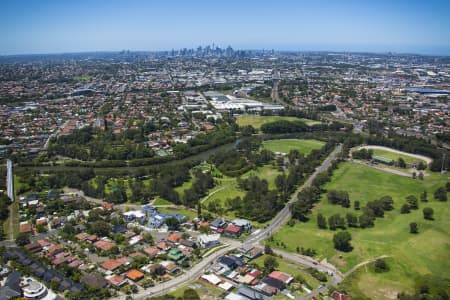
column 40, row 26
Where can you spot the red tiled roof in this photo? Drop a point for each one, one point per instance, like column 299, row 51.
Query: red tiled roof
column 152, row 251
column 281, row 276
column 174, row 237
column 233, row 228
column 339, row 296
column 134, row 274
column 104, row 245
column 116, row 280
column 113, row 264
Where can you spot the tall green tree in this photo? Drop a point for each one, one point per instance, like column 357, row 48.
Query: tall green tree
column 342, row 240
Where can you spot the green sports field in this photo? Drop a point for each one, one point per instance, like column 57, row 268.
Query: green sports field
column 410, row 255
column 257, row 121
column 284, row 146
column 395, row 156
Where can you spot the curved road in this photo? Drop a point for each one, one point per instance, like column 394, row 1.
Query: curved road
column 276, row 223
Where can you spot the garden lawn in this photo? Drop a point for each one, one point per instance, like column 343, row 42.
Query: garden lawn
column 257, row 121
column 203, row 289
column 395, row 156
column 411, row 255
column 284, row 146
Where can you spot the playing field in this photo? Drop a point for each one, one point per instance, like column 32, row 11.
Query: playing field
column 410, row 255
column 284, row 146
column 257, row 121
column 395, row 156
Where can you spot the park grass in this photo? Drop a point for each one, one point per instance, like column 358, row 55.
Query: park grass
column 160, row 201
column 203, row 289
column 190, row 214
column 258, row 121
column 412, row 255
column 290, row 268
column 395, row 156
column 284, row 146
column 268, row 172
column 11, row 224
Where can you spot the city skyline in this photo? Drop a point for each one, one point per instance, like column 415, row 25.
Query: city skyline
column 52, row 27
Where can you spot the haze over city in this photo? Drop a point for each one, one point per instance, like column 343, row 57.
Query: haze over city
column 78, row 26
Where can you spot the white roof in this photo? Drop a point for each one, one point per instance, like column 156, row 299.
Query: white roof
column 206, row 238
column 135, row 213
column 233, row 296
column 211, row 278
column 225, row 286
column 241, row 222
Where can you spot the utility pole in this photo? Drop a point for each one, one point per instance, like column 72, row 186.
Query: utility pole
column 443, row 161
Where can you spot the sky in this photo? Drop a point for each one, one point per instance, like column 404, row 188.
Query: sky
column 48, row 26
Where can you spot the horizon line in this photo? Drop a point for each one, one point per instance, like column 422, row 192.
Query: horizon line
column 384, row 52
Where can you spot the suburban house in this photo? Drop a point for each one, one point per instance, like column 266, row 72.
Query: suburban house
column 209, row 240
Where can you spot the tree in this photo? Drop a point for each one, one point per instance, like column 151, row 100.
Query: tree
column 101, row 228
column 342, row 240
column 199, row 209
column 405, row 209
column 412, row 202
column 401, row 162
column 321, row 221
column 172, row 223
column 356, row 205
column 190, row 294
column 413, row 228
column 366, row 220
column 441, row 194
column 387, row 203
column 423, row 196
column 268, row 250
column 22, row 239
column 380, row 265
column 421, row 166
column 41, row 228
column 428, row 213
column 270, row 264
column 352, row 220
column 421, row 175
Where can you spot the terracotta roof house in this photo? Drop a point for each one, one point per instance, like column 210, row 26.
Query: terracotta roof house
column 281, row 276
column 55, row 249
column 25, row 227
column 162, row 245
column 104, row 245
column 113, row 264
column 232, row 230
column 82, row 236
column 116, row 280
column 44, row 243
column 174, row 237
column 34, row 247
column 91, row 238
column 339, row 296
column 134, row 275
column 152, row 251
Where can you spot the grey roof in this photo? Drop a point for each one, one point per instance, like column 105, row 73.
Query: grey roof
column 250, row 293
column 7, row 293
